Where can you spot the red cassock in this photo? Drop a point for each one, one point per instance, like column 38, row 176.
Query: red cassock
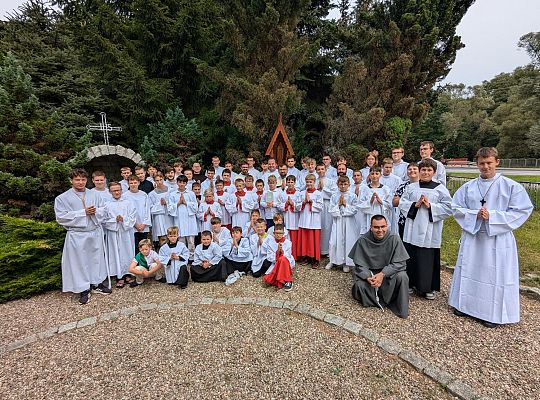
column 309, row 243
column 281, row 273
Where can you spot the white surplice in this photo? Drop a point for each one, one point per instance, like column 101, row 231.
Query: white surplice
column 120, row 241
column 424, row 228
column 83, row 257
column 329, row 187
column 485, row 284
column 370, row 209
column 345, row 230
column 172, row 267
column 161, row 220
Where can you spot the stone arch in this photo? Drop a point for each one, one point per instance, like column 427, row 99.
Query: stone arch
column 104, row 150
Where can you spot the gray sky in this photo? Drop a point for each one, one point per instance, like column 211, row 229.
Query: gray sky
column 490, row 31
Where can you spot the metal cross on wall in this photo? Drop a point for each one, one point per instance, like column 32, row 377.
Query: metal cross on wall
column 104, row 127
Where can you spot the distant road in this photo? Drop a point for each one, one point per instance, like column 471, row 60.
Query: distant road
column 504, row 171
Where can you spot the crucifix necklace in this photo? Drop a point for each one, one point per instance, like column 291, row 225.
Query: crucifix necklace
column 483, row 200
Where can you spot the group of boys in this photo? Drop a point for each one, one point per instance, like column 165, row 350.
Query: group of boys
column 219, row 225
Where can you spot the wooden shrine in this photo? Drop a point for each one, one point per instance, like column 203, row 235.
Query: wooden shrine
column 280, row 146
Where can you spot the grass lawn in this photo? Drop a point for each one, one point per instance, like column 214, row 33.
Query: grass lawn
column 520, row 178
column 528, row 241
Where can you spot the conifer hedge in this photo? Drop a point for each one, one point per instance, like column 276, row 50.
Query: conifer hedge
column 30, row 257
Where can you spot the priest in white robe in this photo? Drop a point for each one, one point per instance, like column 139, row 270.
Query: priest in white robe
column 81, row 212
column 485, row 284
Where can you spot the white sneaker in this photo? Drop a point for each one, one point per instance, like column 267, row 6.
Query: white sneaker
column 329, row 265
column 346, row 269
column 430, row 295
column 159, row 274
column 139, row 279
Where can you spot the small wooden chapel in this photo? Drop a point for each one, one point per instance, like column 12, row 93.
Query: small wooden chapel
column 280, row 146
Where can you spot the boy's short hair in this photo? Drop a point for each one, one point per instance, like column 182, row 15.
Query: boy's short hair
column 186, row 169
column 343, row 179
column 125, row 169
column 387, row 161
column 310, row 177
column 248, row 177
column 208, row 192
column 78, row 172
column 145, row 242
column 98, row 173
column 261, row 221
column 139, row 167
column 219, row 182
column 215, row 220
column 272, row 179
column 375, row 168
column 428, row 163
column 206, row 234
column 226, row 171
column 114, row 183
column 236, row 229
column 182, row 178
column 195, row 184
column 321, row 165
column 178, row 164
column 486, row 152
column 279, row 227
column 172, row 230
column 259, row 181
column 159, row 174
column 290, row 178
column 210, row 169
column 255, row 212
column 277, row 215
column 412, row 164
column 169, row 169
column 238, row 180
column 132, row 178
column 428, row 143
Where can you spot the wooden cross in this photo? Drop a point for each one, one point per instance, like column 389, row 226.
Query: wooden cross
column 104, row 127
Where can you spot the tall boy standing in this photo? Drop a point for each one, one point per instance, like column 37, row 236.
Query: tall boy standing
column 183, row 207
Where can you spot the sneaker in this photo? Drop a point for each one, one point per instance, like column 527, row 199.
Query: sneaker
column 458, row 313
column 139, row 279
column 159, row 274
column 315, row 265
column 346, row 269
column 430, row 295
column 411, row 290
column 329, row 265
column 288, row 286
column 488, row 324
column 134, row 284
column 183, row 286
column 84, row 297
column 101, row 289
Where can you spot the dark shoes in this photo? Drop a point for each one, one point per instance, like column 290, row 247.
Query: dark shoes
column 487, row 324
column 101, row 289
column 84, row 297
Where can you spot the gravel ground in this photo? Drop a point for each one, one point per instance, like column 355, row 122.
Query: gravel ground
column 211, row 352
column 500, row 363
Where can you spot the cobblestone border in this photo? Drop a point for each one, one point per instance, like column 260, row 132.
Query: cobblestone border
column 431, row 370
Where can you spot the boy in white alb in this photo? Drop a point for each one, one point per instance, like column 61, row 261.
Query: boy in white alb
column 183, row 207
column 279, row 255
column 125, row 172
column 239, row 205
column 139, row 199
column 161, row 220
column 376, row 199
column 239, row 257
column 343, row 207
column 268, row 200
column 259, row 265
column 174, row 256
column 221, row 235
column 207, row 210
column 289, row 203
column 81, row 212
column 208, row 264
column 120, row 241
column 392, row 182
column 327, row 187
column 258, row 196
column 221, row 197
column 249, row 227
column 309, row 223
column 100, row 186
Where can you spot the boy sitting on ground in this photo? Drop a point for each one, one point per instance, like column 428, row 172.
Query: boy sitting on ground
column 208, row 264
column 146, row 264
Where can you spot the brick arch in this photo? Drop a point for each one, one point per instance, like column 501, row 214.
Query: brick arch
column 103, row 150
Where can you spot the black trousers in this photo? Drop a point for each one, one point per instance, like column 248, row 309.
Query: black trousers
column 264, row 267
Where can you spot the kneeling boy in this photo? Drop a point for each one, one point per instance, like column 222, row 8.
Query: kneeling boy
column 174, row 255
column 208, row 264
column 279, row 254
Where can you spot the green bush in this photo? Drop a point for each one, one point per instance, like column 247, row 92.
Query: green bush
column 30, row 257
